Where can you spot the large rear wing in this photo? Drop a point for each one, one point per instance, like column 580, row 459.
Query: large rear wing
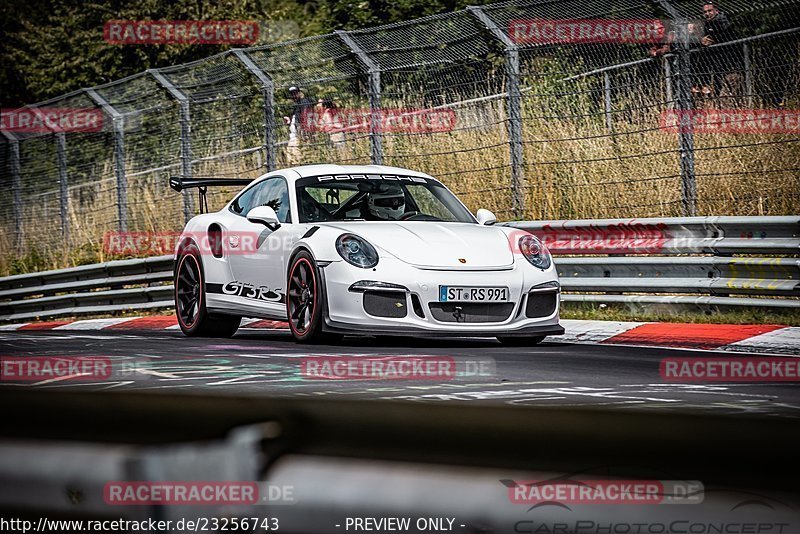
column 202, row 184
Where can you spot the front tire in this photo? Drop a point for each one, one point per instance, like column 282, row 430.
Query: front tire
column 305, row 299
column 520, row 341
column 307, row 302
column 190, row 300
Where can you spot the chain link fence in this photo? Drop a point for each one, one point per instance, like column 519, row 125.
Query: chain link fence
column 543, row 128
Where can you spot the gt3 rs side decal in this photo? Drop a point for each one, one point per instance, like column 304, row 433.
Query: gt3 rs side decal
column 248, row 291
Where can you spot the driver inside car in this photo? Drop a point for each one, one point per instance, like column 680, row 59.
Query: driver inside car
column 387, row 205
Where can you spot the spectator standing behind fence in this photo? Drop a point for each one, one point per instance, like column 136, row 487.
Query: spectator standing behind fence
column 721, row 65
column 298, row 134
column 329, row 121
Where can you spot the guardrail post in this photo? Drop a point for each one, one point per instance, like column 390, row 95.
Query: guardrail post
column 186, row 138
column 748, row 74
column 118, row 122
column 374, row 73
column 514, row 105
column 268, row 93
column 16, row 186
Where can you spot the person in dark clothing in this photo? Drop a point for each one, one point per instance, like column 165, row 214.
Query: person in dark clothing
column 721, row 65
column 718, row 29
column 297, row 129
column 302, row 104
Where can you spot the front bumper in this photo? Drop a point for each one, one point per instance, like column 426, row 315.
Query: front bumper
column 346, row 312
column 401, row 330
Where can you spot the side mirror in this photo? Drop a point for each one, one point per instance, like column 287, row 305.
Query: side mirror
column 264, row 215
column 485, row 217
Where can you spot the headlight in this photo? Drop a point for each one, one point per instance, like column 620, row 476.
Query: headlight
column 535, row 252
column 356, row 251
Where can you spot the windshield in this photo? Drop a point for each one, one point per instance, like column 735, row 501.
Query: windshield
column 377, row 198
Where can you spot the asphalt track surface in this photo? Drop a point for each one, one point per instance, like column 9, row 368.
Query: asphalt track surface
column 269, row 363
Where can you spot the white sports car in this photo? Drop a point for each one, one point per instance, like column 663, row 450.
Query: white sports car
column 367, row 249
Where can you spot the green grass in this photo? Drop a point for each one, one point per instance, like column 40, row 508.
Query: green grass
column 678, row 314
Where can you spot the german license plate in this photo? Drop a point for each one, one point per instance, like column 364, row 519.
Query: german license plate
column 473, row 294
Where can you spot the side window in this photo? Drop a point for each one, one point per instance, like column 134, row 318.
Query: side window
column 242, row 204
column 272, row 192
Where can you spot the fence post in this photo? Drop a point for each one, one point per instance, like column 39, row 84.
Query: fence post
column 374, row 73
column 670, row 99
column 686, row 133
column 514, row 104
column 61, row 166
column 118, row 122
column 61, row 158
column 748, row 74
column 186, row 138
column 683, row 88
column 268, row 92
column 607, row 101
column 16, row 187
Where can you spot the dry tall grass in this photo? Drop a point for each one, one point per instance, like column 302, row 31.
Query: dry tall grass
column 575, row 168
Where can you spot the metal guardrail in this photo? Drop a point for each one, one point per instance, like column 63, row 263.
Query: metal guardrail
column 722, row 236
column 689, row 259
column 643, row 261
column 95, row 289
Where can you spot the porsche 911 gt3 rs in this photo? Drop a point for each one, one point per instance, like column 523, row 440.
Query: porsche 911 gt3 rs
column 372, row 250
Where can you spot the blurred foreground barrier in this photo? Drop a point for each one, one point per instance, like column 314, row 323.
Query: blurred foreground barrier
column 686, row 261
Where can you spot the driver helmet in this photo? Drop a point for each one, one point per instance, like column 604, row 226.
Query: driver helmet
column 389, row 204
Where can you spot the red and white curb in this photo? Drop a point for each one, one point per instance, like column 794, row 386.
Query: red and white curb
column 769, row 339
column 775, row 339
